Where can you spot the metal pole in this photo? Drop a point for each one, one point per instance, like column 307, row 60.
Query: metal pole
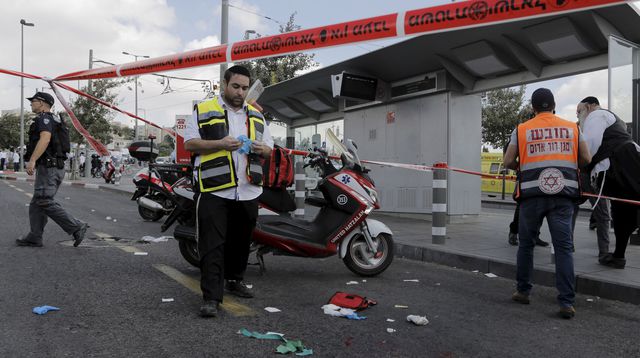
column 90, row 67
column 87, row 169
column 504, row 181
column 136, row 99
column 21, row 97
column 224, row 37
column 439, row 204
column 300, row 179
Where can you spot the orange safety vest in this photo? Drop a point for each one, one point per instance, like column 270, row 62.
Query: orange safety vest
column 548, row 151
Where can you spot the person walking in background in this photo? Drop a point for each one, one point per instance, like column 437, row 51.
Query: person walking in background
column 3, row 158
column 549, row 150
column 16, row 161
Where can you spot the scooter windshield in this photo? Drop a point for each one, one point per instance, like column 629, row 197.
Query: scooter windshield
column 348, row 159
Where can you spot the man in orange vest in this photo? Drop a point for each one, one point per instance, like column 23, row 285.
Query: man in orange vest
column 549, row 149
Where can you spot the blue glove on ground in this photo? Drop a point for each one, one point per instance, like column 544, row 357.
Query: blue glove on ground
column 246, row 144
column 44, row 309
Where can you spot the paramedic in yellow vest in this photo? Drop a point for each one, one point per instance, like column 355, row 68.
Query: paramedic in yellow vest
column 549, row 150
column 227, row 182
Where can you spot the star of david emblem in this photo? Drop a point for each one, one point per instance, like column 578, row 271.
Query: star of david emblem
column 551, row 181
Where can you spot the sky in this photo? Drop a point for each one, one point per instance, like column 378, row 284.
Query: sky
column 65, row 30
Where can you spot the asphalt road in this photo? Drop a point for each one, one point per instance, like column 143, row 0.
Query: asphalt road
column 111, row 301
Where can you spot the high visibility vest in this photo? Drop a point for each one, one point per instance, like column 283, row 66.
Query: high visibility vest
column 217, row 169
column 548, row 151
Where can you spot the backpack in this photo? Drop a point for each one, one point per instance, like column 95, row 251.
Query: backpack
column 278, row 169
column 61, row 142
column 349, row 300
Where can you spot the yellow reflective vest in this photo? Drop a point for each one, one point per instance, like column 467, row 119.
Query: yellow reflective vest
column 217, row 169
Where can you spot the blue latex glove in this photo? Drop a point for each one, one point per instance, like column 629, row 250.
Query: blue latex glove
column 246, row 144
column 44, row 309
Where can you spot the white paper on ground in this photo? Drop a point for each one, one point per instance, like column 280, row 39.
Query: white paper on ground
column 141, row 253
column 167, row 300
column 108, row 217
column 272, row 309
column 352, row 283
column 491, row 275
column 418, row 320
column 401, row 306
column 412, row 280
column 390, row 320
column 148, row 238
column 390, row 330
column 475, row 271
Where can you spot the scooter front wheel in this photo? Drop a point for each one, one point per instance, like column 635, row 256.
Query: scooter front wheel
column 189, row 251
column 363, row 261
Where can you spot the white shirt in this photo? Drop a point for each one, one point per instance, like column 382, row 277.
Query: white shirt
column 16, row 157
column 237, row 126
column 3, row 155
column 81, row 159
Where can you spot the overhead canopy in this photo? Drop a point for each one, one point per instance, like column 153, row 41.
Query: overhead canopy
column 479, row 59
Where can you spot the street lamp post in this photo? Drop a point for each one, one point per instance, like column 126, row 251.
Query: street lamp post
column 135, row 131
column 22, row 25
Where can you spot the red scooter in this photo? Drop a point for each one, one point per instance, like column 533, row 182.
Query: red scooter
column 340, row 227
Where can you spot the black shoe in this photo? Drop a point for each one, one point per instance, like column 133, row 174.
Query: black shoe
column 541, row 242
column 78, row 236
column 615, row 262
column 238, row 288
column 520, row 297
column 25, row 242
column 209, row 309
column 513, row 239
column 567, row 312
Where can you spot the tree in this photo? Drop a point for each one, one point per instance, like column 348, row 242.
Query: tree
column 277, row 69
column 93, row 116
column 502, row 111
column 10, row 124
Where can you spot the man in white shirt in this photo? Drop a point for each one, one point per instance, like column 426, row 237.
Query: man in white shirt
column 3, row 158
column 615, row 167
column 228, row 181
column 16, row 161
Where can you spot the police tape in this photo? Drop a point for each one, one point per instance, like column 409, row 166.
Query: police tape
column 445, row 166
column 448, row 17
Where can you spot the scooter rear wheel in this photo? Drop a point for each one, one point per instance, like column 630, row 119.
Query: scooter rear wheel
column 362, row 261
column 189, row 250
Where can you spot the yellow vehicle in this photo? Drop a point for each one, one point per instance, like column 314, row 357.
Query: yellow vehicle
column 491, row 164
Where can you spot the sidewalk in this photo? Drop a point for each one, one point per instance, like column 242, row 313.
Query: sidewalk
column 480, row 243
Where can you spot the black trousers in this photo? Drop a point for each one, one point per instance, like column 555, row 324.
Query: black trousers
column 224, row 237
column 625, row 216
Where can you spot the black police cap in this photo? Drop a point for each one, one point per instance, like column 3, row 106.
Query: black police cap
column 44, row 97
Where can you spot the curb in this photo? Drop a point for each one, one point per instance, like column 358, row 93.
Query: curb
column 584, row 284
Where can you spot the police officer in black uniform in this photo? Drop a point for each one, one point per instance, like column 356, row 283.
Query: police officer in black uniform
column 48, row 166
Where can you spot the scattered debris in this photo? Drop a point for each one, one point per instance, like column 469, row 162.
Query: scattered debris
column 490, row 275
column 141, row 253
column 148, row 238
column 44, row 309
column 167, row 300
column 272, row 309
column 437, row 283
column 412, row 280
column 589, row 299
column 337, row 311
column 390, row 320
column 289, row 346
column 364, row 280
column 401, row 306
column 249, row 286
column 475, row 271
column 115, row 221
column 108, row 217
column 93, row 210
column 352, row 283
column 418, row 320
column 390, row 330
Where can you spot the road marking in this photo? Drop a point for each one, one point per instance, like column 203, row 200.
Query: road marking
column 11, row 185
column 20, row 190
column 230, row 305
column 109, row 239
column 29, row 195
